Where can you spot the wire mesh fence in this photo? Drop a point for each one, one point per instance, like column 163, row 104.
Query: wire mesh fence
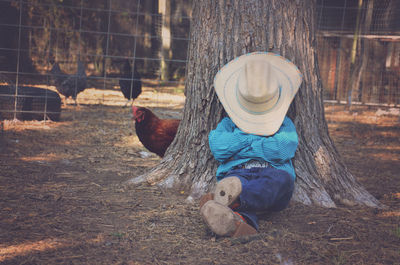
column 359, row 51
column 90, row 50
column 72, row 47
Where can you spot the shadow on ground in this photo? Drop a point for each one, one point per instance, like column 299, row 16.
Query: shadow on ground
column 62, row 202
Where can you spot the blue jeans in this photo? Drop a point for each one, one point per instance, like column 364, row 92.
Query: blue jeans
column 263, row 190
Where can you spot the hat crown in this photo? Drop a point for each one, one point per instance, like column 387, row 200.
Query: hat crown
column 258, row 87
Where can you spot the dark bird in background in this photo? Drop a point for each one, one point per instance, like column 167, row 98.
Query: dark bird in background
column 68, row 85
column 154, row 133
column 130, row 83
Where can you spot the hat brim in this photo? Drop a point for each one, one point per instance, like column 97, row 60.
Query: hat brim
column 259, row 123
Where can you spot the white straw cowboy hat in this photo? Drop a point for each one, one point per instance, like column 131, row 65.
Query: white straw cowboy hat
column 256, row 90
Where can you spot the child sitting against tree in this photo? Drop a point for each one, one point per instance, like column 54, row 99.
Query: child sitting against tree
column 254, row 145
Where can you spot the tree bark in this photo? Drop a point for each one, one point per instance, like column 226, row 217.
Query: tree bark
column 222, row 30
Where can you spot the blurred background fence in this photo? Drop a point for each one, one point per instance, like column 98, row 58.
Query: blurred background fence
column 359, row 51
column 358, row 47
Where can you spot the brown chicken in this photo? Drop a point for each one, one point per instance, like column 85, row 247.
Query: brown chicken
column 154, row 133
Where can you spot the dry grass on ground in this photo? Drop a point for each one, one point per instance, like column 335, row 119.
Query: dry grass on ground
column 62, row 202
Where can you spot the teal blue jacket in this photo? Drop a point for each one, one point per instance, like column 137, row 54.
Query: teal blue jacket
column 233, row 147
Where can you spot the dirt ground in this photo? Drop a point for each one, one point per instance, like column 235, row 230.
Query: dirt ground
column 62, row 199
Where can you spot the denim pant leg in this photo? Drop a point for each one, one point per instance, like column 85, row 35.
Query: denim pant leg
column 263, row 189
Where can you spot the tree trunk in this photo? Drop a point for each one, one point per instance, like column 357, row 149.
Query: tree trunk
column 360, row 62
column 222, row 30
column 165, row 11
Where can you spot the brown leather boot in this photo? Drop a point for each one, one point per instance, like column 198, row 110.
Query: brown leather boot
column 205, row 198
column 223, row 221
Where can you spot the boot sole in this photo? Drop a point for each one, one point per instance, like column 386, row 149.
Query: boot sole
column 227, row 190
column 219, row 218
